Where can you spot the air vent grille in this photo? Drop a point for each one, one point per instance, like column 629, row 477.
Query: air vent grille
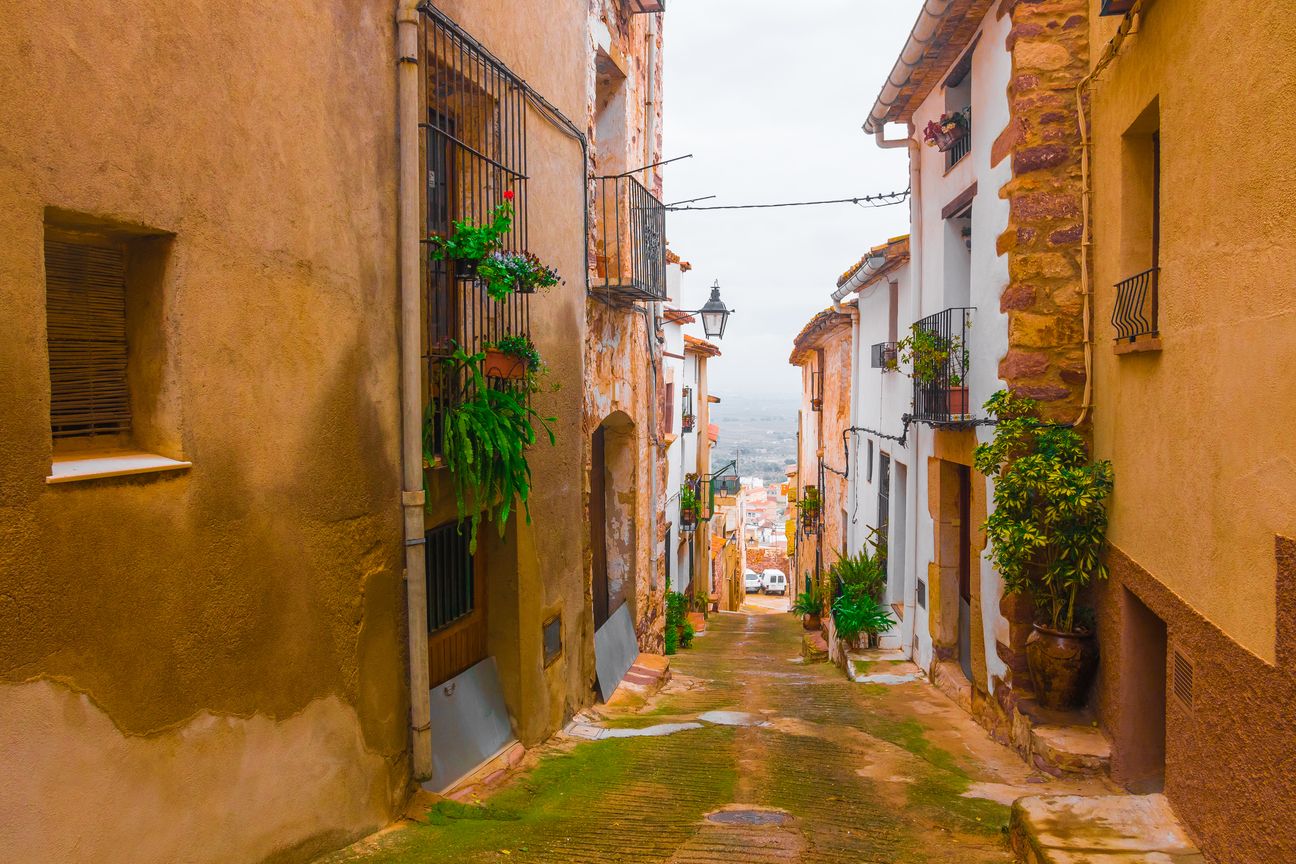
column 1183, row 679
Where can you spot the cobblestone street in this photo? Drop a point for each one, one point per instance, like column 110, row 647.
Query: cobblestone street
column 776, row 761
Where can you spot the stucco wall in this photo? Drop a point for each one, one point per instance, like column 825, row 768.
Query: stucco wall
column 1202, row 518
column 173, row 641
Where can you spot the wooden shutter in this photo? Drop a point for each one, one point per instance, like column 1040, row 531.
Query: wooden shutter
column 85, row 304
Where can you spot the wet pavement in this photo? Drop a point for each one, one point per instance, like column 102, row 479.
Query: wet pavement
column 748, row 755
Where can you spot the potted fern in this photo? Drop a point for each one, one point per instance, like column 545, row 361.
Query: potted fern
column 485, row 434
column 809, row 605
column 1046, row 536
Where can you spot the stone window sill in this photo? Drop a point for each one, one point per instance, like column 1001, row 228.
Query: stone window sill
column 1146, row 342
column 71, row 468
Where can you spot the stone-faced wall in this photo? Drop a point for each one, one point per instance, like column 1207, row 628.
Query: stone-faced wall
column 1049, row 43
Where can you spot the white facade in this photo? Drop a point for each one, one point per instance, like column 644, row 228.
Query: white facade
column 954, row 263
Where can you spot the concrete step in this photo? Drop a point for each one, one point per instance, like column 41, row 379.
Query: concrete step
column 1105, row 829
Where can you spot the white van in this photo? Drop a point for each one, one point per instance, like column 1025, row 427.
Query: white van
column 752, row 582
column 774, row 582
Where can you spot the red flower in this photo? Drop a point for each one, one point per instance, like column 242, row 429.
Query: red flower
column 508, row 194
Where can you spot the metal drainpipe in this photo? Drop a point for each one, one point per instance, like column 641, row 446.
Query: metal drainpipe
column 412, row 493
column 911, row 476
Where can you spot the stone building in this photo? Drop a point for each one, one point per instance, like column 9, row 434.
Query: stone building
column 823, row 352
column 236, row 581
column 1194, row 340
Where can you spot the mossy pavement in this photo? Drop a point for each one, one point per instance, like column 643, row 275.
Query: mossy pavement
column 866, row 774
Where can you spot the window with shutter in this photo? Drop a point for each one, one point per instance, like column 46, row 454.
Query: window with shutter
column 85, row 300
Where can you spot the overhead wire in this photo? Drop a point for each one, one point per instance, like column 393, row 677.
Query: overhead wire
column 884, row 199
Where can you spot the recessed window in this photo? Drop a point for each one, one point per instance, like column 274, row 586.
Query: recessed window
column 106, row 344
column 552, row 639
column 1136, row 311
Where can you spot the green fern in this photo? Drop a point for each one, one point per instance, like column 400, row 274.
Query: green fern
column 485, row 436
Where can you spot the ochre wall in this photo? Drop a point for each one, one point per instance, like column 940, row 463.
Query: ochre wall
column 1199, row 432
column 543, row 569
column 209, row 665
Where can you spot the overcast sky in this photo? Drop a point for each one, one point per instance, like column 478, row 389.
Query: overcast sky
column 769, row 96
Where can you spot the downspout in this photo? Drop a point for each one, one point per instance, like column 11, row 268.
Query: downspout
column 1128, row 25
column 413, row 496
column 652, row 311
column 911, row 476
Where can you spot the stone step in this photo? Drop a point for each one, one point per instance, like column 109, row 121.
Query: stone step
column 1105, row 829
column 1076, row 751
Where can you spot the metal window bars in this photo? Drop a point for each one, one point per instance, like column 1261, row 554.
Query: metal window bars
column 885, row 356
column 474, row 143
column 630, row 255
column 941, row 364
column 961, row 146
column 1135, row 313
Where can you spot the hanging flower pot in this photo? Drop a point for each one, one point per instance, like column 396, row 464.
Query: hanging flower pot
column 465, row 268
column 949, row 130
column 499, row 364
column 688, row 519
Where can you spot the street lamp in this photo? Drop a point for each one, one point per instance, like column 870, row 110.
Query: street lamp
column 715, row 315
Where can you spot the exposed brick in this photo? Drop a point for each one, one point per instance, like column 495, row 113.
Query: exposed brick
column 1046, row 205
column 1017, row 297
column 1070, row 234
column 1042, row 392
column 1022, row 364
column 1035, row 158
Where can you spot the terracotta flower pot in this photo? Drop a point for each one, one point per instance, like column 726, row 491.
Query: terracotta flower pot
column 957, row 399
column 1062, row 666
column 501, row 365
column 947, row 138
column 811, row 622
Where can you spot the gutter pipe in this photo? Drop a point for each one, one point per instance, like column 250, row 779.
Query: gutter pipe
column 413, row 496
column 924, row 30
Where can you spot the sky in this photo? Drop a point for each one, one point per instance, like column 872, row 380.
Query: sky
column 769, row 97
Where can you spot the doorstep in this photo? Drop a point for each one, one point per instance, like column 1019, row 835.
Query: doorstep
column 1063, row 743
column 648, row 674
column 1105, row 829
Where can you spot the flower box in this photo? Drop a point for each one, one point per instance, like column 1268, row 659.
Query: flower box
column 499, row 364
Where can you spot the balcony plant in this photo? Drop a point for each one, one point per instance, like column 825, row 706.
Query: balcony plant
column 688, row 507
column 952, row 127
column 938, row 361
column 809, row 605
column 484, row 437
column 1046, row 535
column 470, row 243
column 513, row 358
column 502, row 273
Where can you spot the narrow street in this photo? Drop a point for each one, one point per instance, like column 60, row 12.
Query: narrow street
column 776, row 760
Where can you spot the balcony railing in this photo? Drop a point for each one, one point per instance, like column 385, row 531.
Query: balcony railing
column 1135, row 314
column 885, row 356
column 941, row 363
column 630, row 258
column 962, row 146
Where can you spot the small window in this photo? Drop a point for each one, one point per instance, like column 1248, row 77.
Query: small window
column 85, row 306
column 1136, row 312
column 668, row 416
column 552, row 634
column 868, row 470
column 450, row 590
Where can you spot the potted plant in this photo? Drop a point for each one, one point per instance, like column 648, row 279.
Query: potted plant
column 502, row 273
column 809, row 605
column 470, row 243
column 938, row 361
column 484, row 436
column 951, row 128
column 810, row 506
column 512, row 358
column 678, row 632
column 856, row 613
column 816, row 404
column 1046, row 538
column 688, row 507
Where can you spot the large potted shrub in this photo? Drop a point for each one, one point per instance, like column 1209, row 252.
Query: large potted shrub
column 858, row 609
column 485, row 434
column 1046, row 538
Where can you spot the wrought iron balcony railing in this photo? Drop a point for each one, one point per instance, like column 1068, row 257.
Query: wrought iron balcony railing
column 630, row 258
column 885, row 356
column 941, row 363
column 1135, row 313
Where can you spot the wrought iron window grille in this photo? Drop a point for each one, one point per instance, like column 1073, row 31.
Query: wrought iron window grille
column 450, row 591
column 475, row 143
column 885, row 356
column 940, row 390
column 816, row 390
column 687, row 419
column 1137, row 302
column 630, row 255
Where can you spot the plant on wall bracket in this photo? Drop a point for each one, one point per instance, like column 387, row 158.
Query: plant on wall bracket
column 485, row 435
column 475, row 251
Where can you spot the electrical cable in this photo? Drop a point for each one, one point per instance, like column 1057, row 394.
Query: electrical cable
column 884, row 199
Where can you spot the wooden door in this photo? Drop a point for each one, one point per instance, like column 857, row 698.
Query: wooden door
column 965, row 569
column 598, row 526
column 456, row 601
